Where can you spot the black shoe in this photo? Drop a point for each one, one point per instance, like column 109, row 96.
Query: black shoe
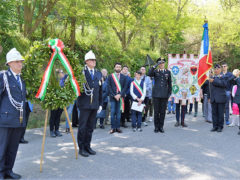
column 184, row 125
column 219, row 130
column 156, row 130
column 90, row 151
column 190, row 113
column 58, row 134
column 169, row 112
column 173, row 112
column 52, row 134
column 74, row 125
column 214, row 129
column 161, row 130
column 118, row 130
column 83, row 153
column 12, row 175
column 23, row 141
column 177, row 124
column 239, row 132
column 102, row 127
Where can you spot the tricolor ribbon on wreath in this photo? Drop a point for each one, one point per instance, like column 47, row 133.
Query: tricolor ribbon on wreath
column 57, row 46
column 119, row 89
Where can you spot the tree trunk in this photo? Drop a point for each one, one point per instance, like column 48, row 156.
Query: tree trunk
column 27, row 18
column 73, row 32
column 44, row 28
column 83, row 28
column 19, row 18
column 152, row 42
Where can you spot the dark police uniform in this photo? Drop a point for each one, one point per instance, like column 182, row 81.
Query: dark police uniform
column 88, row 109
column 10, row 127
column 161, row 92
column 218, row 99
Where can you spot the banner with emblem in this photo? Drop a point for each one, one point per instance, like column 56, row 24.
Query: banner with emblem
column 184, row 72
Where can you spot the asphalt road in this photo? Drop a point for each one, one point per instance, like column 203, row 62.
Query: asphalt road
column 180, row 153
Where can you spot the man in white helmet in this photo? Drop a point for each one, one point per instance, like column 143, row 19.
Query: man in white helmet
column 89, row 103
column 12, row 113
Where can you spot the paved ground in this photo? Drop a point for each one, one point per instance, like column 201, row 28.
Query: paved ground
column 179, row 153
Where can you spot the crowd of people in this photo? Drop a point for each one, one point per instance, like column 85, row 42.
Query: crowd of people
column 113, row 99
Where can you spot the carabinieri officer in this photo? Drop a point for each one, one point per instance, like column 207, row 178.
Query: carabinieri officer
column 89, row 102
column 12, row 113
column 161, row 92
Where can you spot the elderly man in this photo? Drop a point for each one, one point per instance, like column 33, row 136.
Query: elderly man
column 12, row 113
column 88, row 103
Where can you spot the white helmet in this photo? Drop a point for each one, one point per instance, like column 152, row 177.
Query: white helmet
column 90, row 55
column 13, row 55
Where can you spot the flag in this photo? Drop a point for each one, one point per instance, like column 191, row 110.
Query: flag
column 148, row 61
column 205, row 57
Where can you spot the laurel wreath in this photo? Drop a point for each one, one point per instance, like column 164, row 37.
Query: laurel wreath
column 36, row 62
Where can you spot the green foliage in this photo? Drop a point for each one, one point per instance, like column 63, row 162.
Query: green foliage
column 9, row 41
column 36, row 62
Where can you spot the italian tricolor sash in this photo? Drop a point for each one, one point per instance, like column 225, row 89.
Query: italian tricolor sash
column 138, row 87
column 57, row 46
column 119, row 89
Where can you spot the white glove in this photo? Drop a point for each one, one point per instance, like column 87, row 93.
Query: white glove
column 99, row 109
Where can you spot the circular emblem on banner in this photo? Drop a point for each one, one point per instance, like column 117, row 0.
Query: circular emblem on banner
column 175, row 89
column 175, row 70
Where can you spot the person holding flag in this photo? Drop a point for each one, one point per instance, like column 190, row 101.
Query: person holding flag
column 117, row 86
column 138, row 93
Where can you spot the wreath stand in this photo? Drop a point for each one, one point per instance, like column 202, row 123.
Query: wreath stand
column 44, row 136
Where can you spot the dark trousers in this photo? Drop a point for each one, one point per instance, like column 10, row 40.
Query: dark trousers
column 55, row 119
column 136, row 119
column 195, row 107
column 104, row 107
column 115, row 114
column 9, row 141
column 126, row 114
column 182, row 114
column 147, row 104
column 27, row 117
column 160, row 105
column 86, row 125
column 75, row 116
column 218, row 114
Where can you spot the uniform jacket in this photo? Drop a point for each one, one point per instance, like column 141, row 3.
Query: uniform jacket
column 236, row 81
column 84, row 101
column 113, row 89
column 9, row 115
column 105, row 91
column 217, row 90
column 162, row 83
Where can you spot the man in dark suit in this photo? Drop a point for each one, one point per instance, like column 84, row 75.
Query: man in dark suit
column 89, row 102
column 12, row 113
column 117, row 86
column 218, row 84
column 162, row 90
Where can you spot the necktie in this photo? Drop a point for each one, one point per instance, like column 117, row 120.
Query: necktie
column 18, row 80
column 91, row 72
column 118, row 75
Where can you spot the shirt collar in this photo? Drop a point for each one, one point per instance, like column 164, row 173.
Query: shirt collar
column 90, row 69
column 15, row 74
